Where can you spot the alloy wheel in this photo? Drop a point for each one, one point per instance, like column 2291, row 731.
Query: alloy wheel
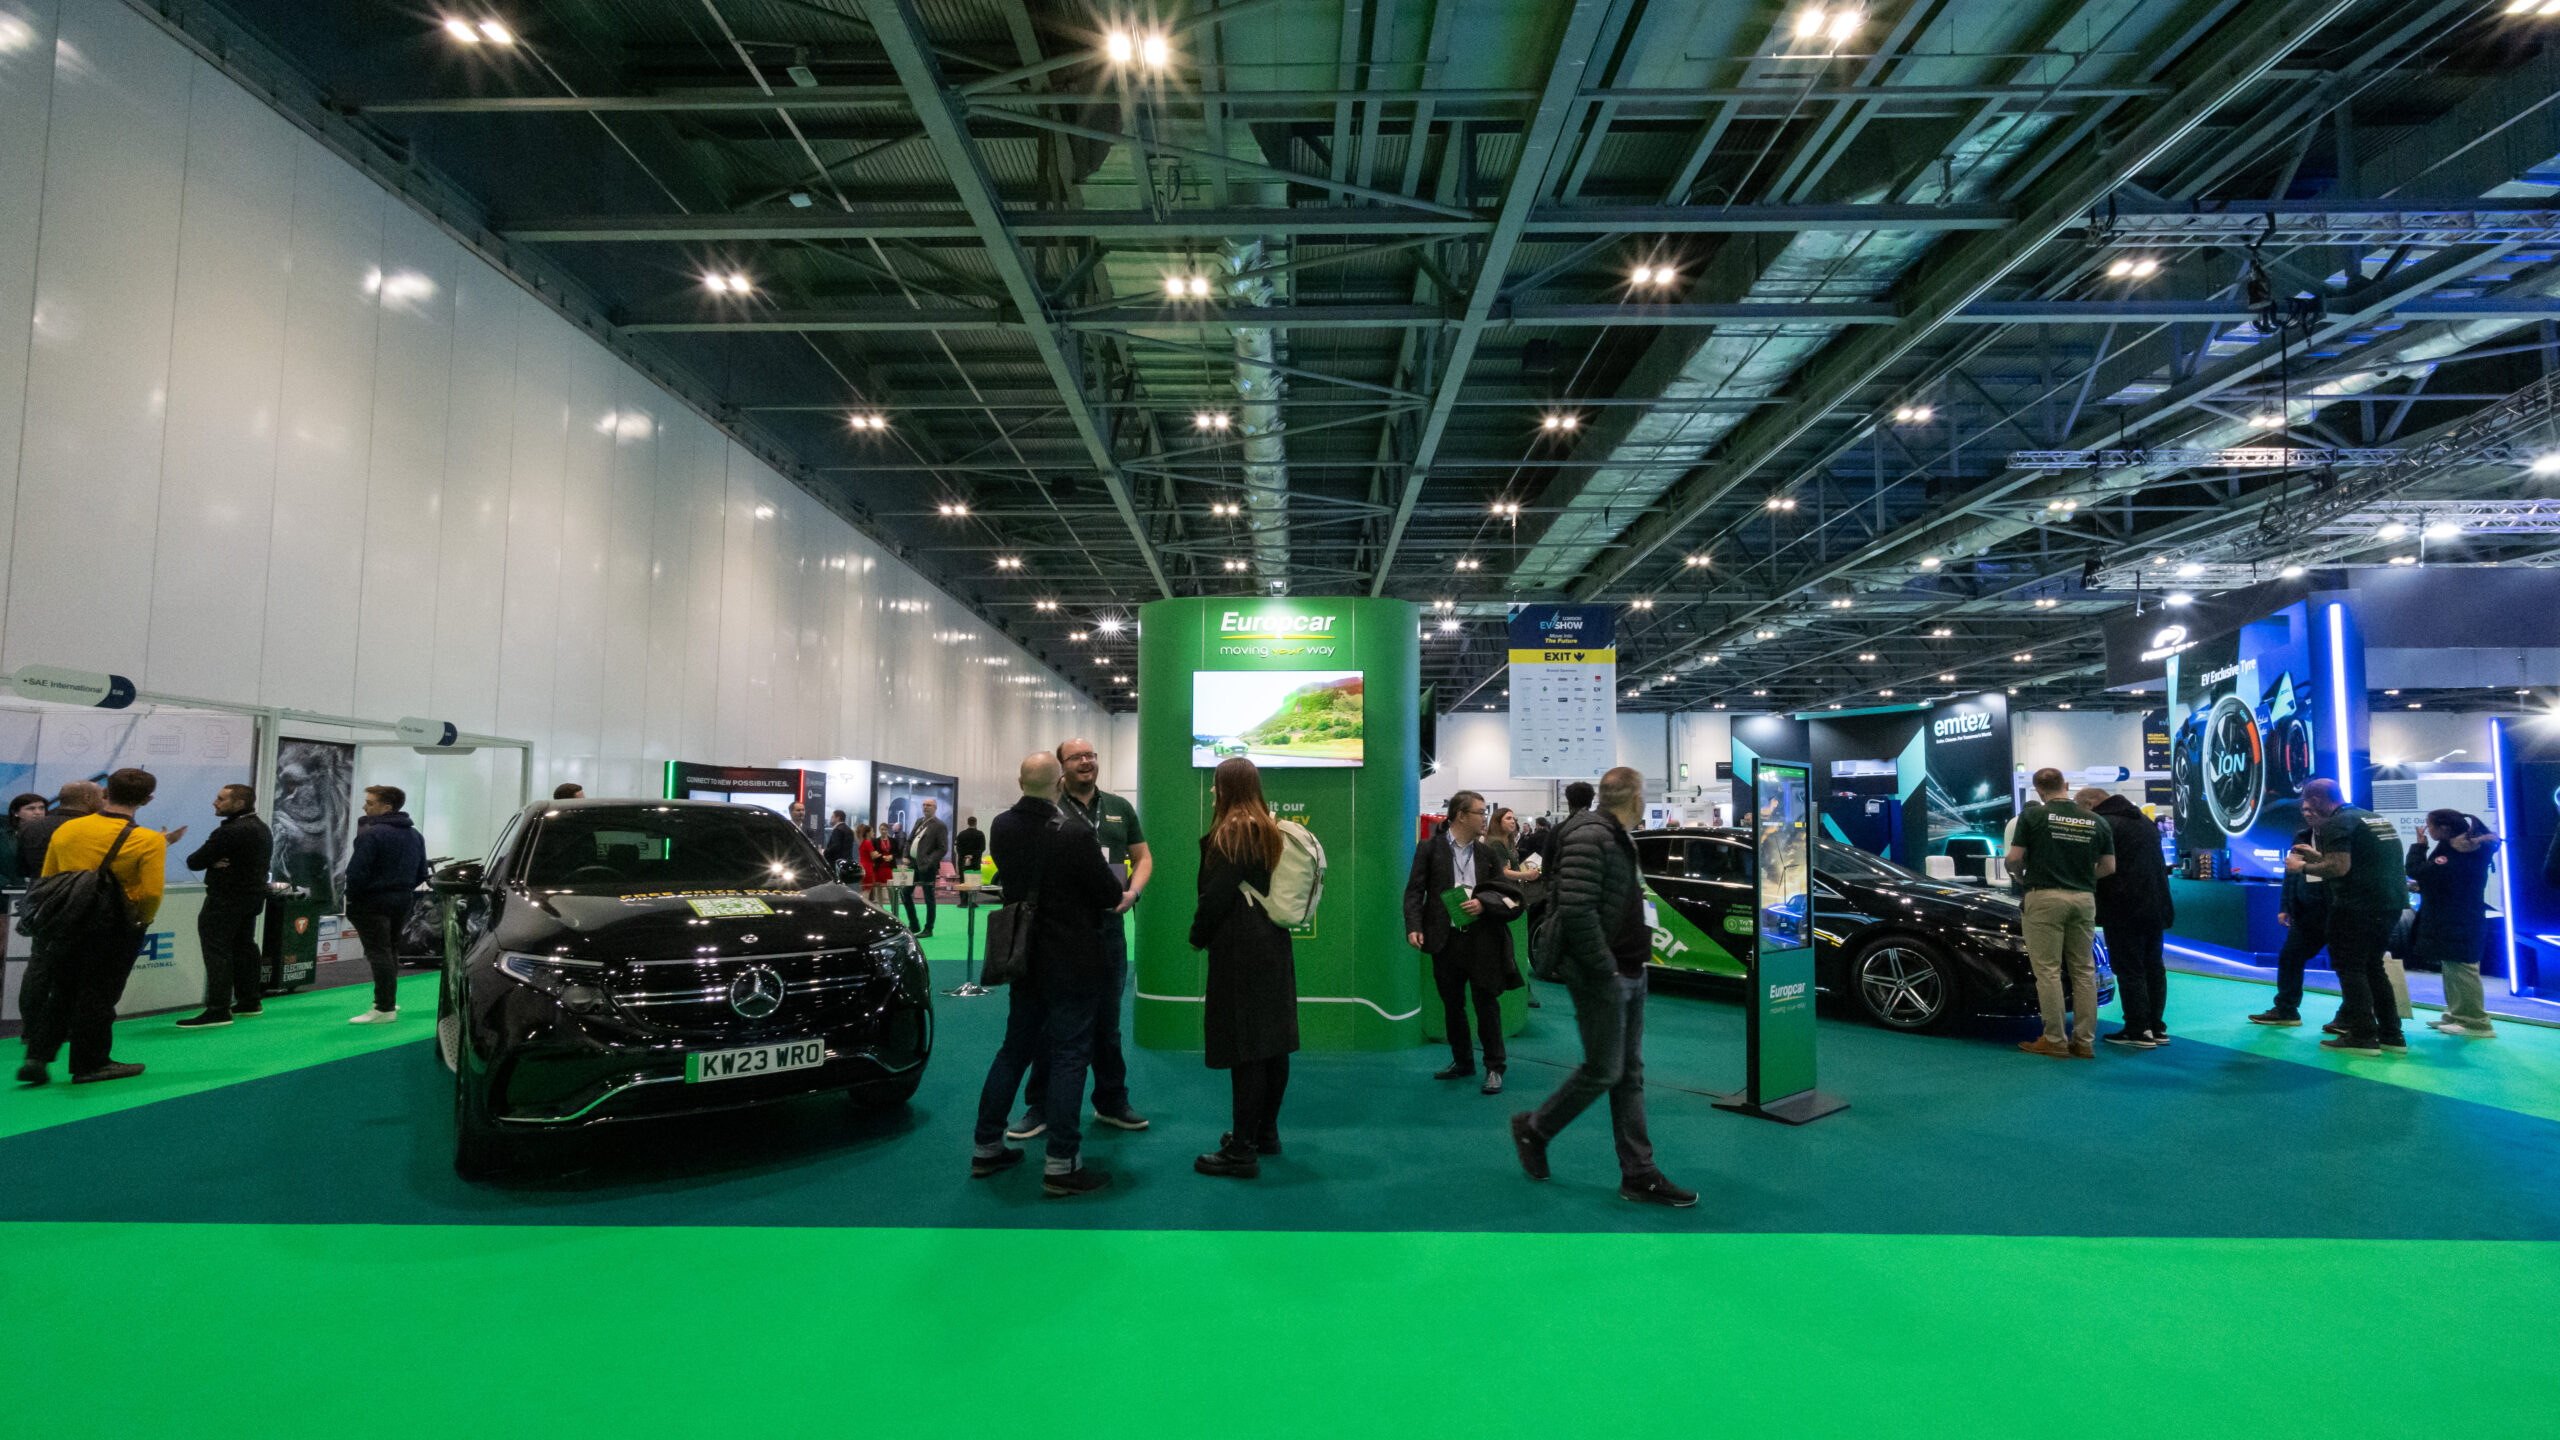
column 1902, row 986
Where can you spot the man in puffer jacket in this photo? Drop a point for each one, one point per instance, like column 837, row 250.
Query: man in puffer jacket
column 1598, row 900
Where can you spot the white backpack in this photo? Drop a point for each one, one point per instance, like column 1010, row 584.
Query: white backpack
column 1297, row 882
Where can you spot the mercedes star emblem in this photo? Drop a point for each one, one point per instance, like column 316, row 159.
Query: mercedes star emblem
column 757, row 993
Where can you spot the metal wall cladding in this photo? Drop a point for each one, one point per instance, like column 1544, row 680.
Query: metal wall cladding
column 286, row 443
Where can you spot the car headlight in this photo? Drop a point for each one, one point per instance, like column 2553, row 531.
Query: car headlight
column 2014, row 941
column 571, row 982
column 903, row 958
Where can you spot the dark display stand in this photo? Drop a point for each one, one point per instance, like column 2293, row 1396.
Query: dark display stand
column 290, row 948
column 1778, row 1050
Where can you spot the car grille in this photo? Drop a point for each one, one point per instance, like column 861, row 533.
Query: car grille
column 819, row 991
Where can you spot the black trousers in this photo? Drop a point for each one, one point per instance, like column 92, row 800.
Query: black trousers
column 227, row 932
column 379, row 932
column 2142, row 976
column 1259, row 1084
column 1455, row 993
column 76, row 997
column 927, row 886
column 2302, row 940
column 2356, row 944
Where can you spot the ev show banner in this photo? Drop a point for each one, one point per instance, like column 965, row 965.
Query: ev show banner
column 1564, row 683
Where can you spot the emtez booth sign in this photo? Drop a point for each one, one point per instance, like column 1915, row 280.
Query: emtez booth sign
column 1778, row 1027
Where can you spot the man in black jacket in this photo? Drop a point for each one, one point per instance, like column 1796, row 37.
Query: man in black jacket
column 2302, row 908
column 839, row 851
column 969, row 847
column 2135, row 910
column 1473, row 960
column 1599, row 902
column 234, row 862
column 926, row 849
column 384, row 871
column 1054, row 859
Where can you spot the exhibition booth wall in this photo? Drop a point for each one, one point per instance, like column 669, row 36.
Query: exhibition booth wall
column 272, row 438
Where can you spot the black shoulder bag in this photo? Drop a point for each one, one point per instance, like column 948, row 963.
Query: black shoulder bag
column 1009, row 929
column 70, row 904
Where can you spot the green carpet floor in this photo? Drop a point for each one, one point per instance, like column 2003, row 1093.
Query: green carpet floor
column 279, row 1333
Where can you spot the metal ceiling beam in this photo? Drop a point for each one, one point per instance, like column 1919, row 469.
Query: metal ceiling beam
column 1556, row 103
column 902, row 35
column 2239, row 55
column 1639, row 103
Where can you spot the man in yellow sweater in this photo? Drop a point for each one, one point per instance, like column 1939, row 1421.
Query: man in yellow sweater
column 81, row 1004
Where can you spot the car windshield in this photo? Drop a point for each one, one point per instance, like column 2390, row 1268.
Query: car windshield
column 646, row 849
column 1848, row 862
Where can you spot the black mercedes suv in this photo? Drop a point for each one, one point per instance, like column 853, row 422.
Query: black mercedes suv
column 1910, row 952
column 628, row 959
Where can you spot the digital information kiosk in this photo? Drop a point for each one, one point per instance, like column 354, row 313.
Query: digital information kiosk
column 1779, row 1041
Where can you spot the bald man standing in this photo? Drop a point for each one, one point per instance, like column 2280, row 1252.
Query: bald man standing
column 1050, row 857
column 1115, row 826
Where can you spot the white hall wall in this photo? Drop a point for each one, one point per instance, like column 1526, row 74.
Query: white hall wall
column 269, row 437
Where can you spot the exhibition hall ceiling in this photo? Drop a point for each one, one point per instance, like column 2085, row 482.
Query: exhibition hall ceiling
column 1860, row 353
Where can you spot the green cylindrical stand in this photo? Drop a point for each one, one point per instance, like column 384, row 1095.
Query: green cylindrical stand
column 1358, row 987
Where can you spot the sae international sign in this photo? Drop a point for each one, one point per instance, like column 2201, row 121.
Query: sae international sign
column 1564, row 686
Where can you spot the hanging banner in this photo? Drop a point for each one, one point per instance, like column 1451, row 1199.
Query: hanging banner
column 1564, row 686
column 73, row 687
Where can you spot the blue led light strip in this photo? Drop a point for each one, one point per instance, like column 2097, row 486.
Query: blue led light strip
column 2507, row 823
column 2338, row 699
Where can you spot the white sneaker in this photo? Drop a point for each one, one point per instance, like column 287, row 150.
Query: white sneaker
column 375, row 1017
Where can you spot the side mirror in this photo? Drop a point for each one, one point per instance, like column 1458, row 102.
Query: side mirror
column 462, row 877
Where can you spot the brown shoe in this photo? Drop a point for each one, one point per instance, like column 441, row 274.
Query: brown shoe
column 2083, row 1052
column 2042, row 1046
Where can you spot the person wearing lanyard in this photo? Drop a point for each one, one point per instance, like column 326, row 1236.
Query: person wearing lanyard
column 2358, row 852
column 1124, row 844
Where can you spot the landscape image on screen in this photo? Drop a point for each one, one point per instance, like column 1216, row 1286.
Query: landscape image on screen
column 1276, row 717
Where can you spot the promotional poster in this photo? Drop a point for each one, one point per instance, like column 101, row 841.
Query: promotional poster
column 1564, row 686
column 2246, row 732
column 191, row 753
column 1969, row 766
column 314, row 815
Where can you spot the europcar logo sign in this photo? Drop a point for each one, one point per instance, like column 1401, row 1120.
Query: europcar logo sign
column 2167, row 641
column 1254, row 625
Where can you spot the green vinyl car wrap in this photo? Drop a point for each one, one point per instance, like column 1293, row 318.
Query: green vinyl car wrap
column 1678, row 943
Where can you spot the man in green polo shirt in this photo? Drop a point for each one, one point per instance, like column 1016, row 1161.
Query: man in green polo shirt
column 1124, row 844
column 2356, row 854
column 2058, row 854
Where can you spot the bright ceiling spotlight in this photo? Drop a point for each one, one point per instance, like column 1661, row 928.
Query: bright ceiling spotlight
column 1694, row 562
column 1173, row 287
column 1234, row 566
column 496, row 34
column 2182, row 598
column 1076, row 635
column 2266, row 420
column 1008, row 562
column 1942, row 632
column 2290, row 572
column 1640, row 604
column 1929, row 562
column 1045, row 605
column 1470, row 563
column 2046, row 602
column 2392, row 531
column 1121, row 46
column 2190, row 570
column 953, row 510
column 460, row 29
column 1560, row 422
column 2145, row 268
column 1711, row 660
column 1449, row 627
column 1947, row 679
column 2546, row 463
column 1718, row 705
column 2022, row 658
column 1844, row 23
column 1764, row 634
column 1887, row 693
column 2119, row 268
column 1840, row 603
column 1642, row 275
column 1759, row 692
column 2442, row 530
column 1108, row 625
column 1199, row 286
column 1510, row 508
column 1156, row 51
column 2404, row 559
column 1867, row 656
column 1809, row 22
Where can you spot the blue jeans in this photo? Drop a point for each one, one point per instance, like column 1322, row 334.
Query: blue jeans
column 1073, row 1014
column 1024, row 1045
column 1110, row 1062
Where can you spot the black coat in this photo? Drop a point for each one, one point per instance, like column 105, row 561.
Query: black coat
column 1036, row 843
column 2453, row 903
column 1598, row 895
column 1481, row 950
column 2137, row 895
column 234, row 860
column 36, row 836
column 839, row 849
column 388, row 863
column 1250, row 1007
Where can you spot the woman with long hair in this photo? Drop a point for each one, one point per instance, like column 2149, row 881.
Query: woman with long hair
column 874, row 853
column 1250, row 1007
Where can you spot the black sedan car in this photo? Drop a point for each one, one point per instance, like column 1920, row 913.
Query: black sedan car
column 627, row 959
column 1910, row 952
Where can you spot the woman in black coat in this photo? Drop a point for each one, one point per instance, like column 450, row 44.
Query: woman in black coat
column 2452, row 879
column 1250, row 1006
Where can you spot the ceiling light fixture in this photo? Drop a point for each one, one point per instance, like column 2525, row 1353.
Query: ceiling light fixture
column 1645, row 604
column 460, row 29
column 1108, row 625
column 953, row 510
column 496, row 34
column 2441, row 530
column 1470, row 563
column 1567, row 423
column 1914, row 414
column 1508, row 508
column 2547, row 463
column 1448, row 627
column 2181, row 597
column 1947, row 679
column 2290, row 572
column 1695, row 562
column 1045, row 605
column 1008, row 562
column 2392, row 531
column 1929, row 562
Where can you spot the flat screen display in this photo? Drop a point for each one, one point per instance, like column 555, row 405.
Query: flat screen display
column 2245, row 727
column 1785, row 834
column 1283, row 718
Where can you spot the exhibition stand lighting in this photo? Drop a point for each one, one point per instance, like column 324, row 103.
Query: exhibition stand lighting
column 2506, row 886
column 2338, row 703
column 2547, row 463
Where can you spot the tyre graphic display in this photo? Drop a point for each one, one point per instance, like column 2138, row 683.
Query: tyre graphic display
column 2234, row 763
